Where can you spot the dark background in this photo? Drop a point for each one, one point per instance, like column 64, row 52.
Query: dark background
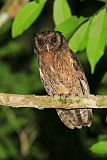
column 33, row 134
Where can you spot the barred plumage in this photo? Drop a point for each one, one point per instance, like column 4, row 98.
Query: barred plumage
column 62, row 74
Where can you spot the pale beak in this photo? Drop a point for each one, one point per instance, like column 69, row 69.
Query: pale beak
column 47, row 46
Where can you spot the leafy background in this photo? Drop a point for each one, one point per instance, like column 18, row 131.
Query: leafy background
column 33, row 134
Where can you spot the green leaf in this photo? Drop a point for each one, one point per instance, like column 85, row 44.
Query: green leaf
column 61, row 11
column 106, row 28
column 99, row 148
column 78, row 41
column 26, row 16
column 68, row 26
column 96, row 39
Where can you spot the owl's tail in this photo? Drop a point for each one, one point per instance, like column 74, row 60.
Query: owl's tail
column 75, row 118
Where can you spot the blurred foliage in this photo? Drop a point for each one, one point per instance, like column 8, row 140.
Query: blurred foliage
column 100, row 148
column 32, row 134
column 91, row 31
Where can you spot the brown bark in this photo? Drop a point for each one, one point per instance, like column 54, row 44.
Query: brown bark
column 41, row 102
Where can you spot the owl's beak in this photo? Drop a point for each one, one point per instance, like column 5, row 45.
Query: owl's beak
column 47, row 46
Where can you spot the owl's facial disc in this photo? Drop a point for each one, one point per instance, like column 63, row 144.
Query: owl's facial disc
column 47, row 41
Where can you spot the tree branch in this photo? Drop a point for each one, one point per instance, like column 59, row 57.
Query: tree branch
column 41, row 102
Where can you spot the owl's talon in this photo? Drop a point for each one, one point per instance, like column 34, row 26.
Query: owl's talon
column 53, row 96
column 60, row 96
column 63, row 97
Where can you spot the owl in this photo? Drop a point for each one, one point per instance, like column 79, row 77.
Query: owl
column 62, row 74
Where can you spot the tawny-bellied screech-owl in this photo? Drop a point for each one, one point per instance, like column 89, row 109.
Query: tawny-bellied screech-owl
column 62, row 74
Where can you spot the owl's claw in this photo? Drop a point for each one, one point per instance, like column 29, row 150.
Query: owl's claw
column 53, row 96
column 63, row 97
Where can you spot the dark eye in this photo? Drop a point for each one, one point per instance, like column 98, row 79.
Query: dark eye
column 40, row 41
column 53, row 39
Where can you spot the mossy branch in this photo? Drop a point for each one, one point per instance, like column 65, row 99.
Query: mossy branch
column 41, row 102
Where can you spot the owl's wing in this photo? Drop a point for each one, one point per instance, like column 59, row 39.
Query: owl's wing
column 80, row 74
column 78, row 117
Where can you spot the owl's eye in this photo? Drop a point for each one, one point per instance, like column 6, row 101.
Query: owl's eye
column 40, row 41
column 53, row 39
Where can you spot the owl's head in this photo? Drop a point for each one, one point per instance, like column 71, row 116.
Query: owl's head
column 48, row 41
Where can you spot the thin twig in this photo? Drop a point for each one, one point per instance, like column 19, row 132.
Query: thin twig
column 41, row 102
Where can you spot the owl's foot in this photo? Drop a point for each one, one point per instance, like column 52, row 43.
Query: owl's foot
column 61, row 97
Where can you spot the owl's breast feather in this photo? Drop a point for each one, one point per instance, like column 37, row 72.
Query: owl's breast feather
column 47, row 58
column 58, row 75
